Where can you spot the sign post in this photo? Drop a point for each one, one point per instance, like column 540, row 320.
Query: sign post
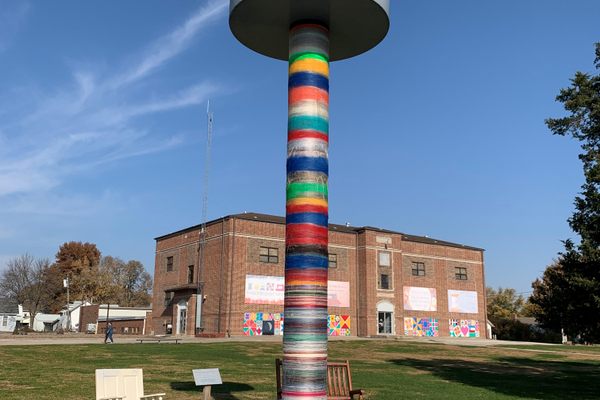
column 207, row 378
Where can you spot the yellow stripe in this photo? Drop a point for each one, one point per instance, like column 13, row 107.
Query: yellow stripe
column 304, row 282
column 310, row 65
column 307, row 200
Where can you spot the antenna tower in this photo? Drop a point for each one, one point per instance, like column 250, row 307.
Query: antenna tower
column 209, row 118
column 203, row 235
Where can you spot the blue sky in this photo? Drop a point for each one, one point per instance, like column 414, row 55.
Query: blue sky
column 438, row 131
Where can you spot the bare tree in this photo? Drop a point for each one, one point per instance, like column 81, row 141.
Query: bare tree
column 24, row 281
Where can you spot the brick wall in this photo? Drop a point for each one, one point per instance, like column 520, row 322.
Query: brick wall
column 89, row 315
column 232, row 251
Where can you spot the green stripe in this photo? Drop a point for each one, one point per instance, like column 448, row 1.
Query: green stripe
column 299, row 122
column 305, row 337
column 308, row 54
column 295, row 190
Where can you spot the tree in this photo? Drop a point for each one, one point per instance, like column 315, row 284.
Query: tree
column 73, row 257
column 503, row 304
column 568, row 295
column 25, row 281
column 79, row 262
column 131, row 283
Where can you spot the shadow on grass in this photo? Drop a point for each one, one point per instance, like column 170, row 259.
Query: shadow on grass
column 224, row 391
column 518, row 377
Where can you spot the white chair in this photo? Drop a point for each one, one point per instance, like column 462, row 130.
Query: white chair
column 119, row 384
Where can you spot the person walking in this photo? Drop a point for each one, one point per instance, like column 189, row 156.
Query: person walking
column 109, row 333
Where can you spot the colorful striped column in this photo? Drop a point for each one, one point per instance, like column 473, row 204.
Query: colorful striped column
column 306, row 261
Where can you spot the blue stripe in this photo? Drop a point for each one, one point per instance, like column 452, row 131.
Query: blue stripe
column 303, row 261
column 308, row 122
column 307, row 218
column 308, row 79
column 317, row 164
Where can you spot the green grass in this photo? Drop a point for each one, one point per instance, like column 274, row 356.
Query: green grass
column 387, row 370
column 559, row 347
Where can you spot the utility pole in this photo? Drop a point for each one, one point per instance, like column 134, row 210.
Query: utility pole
column 66, row 284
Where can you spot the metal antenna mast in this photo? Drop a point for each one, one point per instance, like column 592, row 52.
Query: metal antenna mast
column 203, row 235
column 209, row 118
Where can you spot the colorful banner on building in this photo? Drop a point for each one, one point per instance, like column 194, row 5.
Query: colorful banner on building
column 338, row 325
column 262, row 289
column 261, row 323
column 421, row 327
column 462, row 301
column 420, row 298
column 464, row 328
column 338, row 294
column 256, row 324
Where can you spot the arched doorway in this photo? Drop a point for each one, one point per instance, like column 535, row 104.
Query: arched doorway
column 181, row 317
column 385, row 318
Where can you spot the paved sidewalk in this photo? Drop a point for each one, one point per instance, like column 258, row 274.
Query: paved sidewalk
column 81, row 338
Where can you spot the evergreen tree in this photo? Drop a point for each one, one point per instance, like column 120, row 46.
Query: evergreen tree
column 568, row 295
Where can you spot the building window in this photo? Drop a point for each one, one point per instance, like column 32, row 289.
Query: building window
column 418, row 269
column 168, row 297
column 190, row 274
column 385, row 259
column 384, row 267
column 332, row 258
column 460, row 273
column 4, row 320
column 169, row 263
column 384, row 281
column 269, row 255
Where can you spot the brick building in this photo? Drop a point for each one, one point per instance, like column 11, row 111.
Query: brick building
column 381, row 282
column 125, row 320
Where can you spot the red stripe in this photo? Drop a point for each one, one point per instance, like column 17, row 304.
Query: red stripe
column 307, row 134
column 303, row 274
column 303, row 208
column 305, row 305
column 309, row 232
column 307, row 93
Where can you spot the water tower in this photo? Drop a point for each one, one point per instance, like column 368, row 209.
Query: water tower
column 308, row 34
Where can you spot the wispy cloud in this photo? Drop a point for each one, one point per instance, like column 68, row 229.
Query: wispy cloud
column 93, row 119
column 12, row 16
column 170, row 45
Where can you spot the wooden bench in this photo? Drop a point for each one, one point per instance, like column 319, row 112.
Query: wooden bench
column 158, row 340
column 339, row 381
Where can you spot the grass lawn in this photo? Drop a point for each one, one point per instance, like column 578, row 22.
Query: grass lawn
column 386, row 369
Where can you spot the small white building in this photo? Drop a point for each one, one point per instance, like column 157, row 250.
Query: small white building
column 70, row 317
column 116, row 312
column 45, row 322
column 10, row 314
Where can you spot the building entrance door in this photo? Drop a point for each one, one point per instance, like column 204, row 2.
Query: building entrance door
column 181, row 317
column 385, row 318
column 384, row 323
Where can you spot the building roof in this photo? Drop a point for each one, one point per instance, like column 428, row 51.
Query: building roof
column 47, row 317
column 115, row 307
column 127, row 318
column 347, row 228
column 8, row 307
